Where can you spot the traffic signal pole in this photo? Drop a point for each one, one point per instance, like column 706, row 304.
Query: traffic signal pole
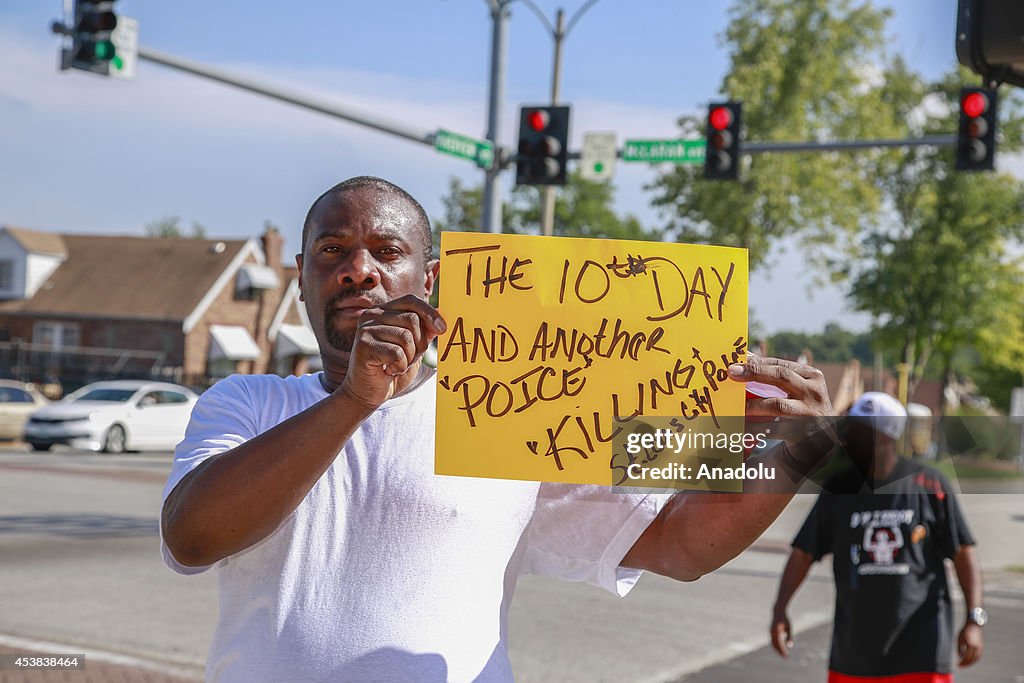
column 427, row 138
column 558, row 33
column 847, row 145
column 322, row 106
column 828, row 145
column 492, row 208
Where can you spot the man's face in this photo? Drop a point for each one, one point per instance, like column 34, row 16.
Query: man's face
column 365, row 247
column 861, row 443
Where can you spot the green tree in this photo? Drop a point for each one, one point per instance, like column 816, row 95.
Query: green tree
column 940, row 277
column 935, row 265
column 169, row 227
column 832, row 345
column 805, row 70
column 583, row 208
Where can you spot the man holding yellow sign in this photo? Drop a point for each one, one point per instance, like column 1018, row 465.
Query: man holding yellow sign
column 344, row 550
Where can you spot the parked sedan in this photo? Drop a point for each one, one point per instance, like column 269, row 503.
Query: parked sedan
column 17, row 401
column 115, row 416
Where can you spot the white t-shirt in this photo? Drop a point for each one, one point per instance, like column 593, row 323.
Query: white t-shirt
column 386, row 571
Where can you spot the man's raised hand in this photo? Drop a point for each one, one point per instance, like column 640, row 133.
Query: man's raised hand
column 803, row 418
column 804, row 385
column 389, row 340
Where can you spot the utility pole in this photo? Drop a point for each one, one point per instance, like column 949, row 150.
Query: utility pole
column 491, row 208
column 558, row 34
column 548, row 193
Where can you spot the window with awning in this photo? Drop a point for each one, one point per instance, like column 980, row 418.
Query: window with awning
column 257, row 277
column 295, row 340
column 232, row 342
column 253, row 279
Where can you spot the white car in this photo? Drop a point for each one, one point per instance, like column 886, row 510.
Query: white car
column 17, row 401
column 115, row 416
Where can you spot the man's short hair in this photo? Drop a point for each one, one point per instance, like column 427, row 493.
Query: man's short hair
column 385, row 186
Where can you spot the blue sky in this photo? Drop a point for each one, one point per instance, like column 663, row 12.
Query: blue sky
column 80, row 153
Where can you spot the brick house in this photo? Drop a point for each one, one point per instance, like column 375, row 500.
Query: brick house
column 108, row 305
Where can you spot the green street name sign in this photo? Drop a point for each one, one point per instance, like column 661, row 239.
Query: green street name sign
column 480, row 152
column 657, row 151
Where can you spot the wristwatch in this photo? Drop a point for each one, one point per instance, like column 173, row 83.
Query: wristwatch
column 977, row 616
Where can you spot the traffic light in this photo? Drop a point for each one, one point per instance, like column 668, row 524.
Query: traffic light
column 543, row 145
column 722, row 155
column 988, row 39
column 976, row 139
column 92, row 47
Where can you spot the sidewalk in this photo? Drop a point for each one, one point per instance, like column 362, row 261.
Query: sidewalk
column 94, row 672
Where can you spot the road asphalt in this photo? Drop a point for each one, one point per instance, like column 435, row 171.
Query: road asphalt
column 62, row 519
column 1002, row 662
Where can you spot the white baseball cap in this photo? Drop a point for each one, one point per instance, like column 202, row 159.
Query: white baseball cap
column 887, row 415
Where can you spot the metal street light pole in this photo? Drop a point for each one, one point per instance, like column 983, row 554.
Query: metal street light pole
column 499, row 34
column 558, row 34
column 547, row 223
column 491, row 208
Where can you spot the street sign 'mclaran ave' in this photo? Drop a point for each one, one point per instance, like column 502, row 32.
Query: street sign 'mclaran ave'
column 657, row 151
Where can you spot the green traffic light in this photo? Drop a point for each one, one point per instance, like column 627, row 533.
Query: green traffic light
column 104, row 50
column 598, row 167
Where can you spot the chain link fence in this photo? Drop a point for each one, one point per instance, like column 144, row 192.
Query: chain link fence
column 58, row 371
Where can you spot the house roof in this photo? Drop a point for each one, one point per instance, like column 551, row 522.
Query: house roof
column 833, row 373
column 38, row 242
column 129, row 277
column 927, row 392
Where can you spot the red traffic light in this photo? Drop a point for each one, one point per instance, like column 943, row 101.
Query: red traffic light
column 974, row 104
column 538, row 120
column 720, row 118
column 976, row 136
column 723, row 137
column 543, row 141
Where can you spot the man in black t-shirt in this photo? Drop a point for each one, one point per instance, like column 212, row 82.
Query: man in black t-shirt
column 889, row 524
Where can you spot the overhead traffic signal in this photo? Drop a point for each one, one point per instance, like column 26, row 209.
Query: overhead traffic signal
column 543, row 145
column 722, row 155
column 92, row 47
column 988, row 39
column 976, row 138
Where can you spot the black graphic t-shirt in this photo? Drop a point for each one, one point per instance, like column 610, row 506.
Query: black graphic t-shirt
column 893, row 612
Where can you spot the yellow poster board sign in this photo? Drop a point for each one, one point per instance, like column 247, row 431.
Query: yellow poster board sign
column 555, row 346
